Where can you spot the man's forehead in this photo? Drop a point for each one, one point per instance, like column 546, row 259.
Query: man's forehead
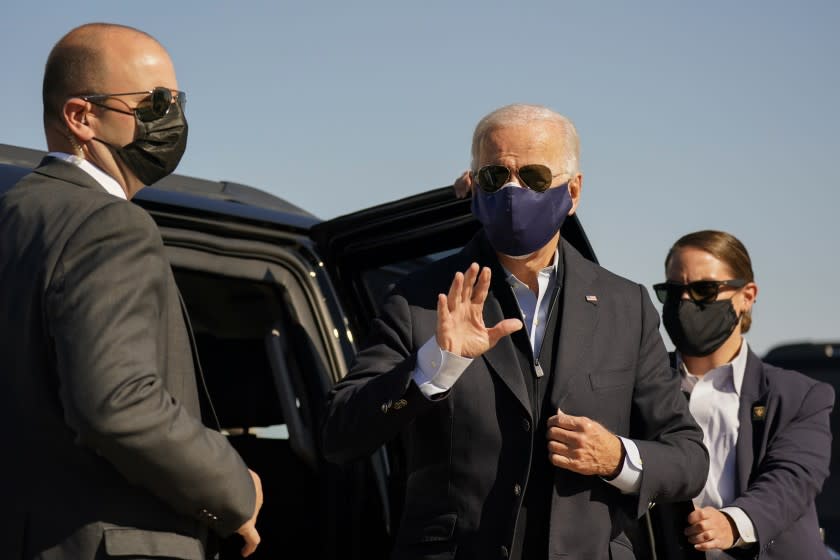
column 523, row 137
column 138, row 65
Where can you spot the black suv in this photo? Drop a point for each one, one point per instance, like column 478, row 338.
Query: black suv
column 278, row 300
column 820, row 360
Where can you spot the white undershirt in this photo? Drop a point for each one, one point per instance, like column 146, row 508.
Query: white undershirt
column 714, row 402
column 105, row 181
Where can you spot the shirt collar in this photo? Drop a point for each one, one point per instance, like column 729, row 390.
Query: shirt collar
column 550, row 271
column 736, row 368
column 105, row 181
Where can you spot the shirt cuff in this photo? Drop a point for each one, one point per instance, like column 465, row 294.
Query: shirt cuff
column 437, row 370
column 746, row 529
column 629, row 480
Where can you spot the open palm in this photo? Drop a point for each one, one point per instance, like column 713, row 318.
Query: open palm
column 460, row 319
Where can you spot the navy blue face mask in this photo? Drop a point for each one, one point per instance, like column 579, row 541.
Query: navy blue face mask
column 519, row 221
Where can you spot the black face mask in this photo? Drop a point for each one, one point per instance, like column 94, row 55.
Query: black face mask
column 158, row 147
column 698, row 329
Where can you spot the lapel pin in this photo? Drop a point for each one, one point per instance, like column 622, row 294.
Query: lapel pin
column 592, row 299
column 758, row 412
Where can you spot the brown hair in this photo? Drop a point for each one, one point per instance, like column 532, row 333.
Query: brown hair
column 724, row 247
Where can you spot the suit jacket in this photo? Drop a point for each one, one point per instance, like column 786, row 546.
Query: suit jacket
column 782, row 455
column 98, row 397
column 468, row 454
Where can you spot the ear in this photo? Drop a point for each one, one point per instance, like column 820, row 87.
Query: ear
column 749, row 293
column 575, row 186
column 74, row 114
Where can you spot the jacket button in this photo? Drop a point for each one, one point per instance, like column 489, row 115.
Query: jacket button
column 517, row 490
column 503, row 552
column 526, row 425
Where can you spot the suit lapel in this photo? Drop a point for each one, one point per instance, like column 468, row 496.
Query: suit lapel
column 753, row 396
column 578, row 322
column 503, row 359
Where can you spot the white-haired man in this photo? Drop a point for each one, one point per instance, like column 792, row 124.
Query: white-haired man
column 530, row 442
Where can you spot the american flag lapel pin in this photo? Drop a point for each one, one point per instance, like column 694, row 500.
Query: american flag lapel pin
column 592, row 299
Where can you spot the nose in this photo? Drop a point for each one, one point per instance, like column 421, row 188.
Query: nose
column 513, row 178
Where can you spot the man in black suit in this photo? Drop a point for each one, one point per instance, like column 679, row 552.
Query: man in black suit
column 98, row 397
column 767, row 429
column 533, row 442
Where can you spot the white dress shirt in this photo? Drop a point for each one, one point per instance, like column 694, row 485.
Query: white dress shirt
column 106, row 181
column 714, row 402
column 437, row 370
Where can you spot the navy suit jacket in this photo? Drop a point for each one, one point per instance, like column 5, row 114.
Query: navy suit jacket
column 469, row 453
column 783, row 454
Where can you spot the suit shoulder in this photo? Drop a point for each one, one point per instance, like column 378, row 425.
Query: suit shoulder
column 789, row 382
column 435, row 277
column 604, row 276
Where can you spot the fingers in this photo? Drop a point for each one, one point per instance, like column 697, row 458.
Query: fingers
column 461, row 289
column 710, row 529
column 463, row 185
column 482, row 287
column 249, row 529
column 252, row 540
column 469, row 283
column 569, row 422
column 455, row 290
column 698, row 515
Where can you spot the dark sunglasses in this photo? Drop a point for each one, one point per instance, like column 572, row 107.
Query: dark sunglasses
column 152, row 108
column 536, row 177
column 702, row 291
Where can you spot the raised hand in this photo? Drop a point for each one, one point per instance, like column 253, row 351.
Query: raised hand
column 460, row 320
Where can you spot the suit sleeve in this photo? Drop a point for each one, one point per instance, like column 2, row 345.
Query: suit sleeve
column 106, row 298
column 793, row 468
column 675, row 461
column 361, row 411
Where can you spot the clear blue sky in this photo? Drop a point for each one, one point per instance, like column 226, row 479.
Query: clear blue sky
column 715, row 114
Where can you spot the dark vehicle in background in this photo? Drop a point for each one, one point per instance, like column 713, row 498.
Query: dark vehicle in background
column 278, row 301
column 821, row 361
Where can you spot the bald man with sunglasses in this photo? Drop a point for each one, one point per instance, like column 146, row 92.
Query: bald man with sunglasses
column 108, row 457
column 530, row 387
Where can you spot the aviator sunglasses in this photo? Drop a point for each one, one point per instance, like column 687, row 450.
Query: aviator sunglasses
column 535, row 176
column 701, row 291
column 152, row 108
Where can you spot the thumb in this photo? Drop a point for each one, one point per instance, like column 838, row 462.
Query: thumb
column 503, row 329
column 252, row 540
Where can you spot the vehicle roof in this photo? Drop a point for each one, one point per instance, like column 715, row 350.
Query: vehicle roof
column 823, row 351
column 217, row 197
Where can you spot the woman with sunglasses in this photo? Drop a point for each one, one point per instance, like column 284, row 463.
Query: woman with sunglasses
column 766, row 429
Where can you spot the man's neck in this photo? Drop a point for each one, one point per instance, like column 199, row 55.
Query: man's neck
column 526, row 270
column 701, row 365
